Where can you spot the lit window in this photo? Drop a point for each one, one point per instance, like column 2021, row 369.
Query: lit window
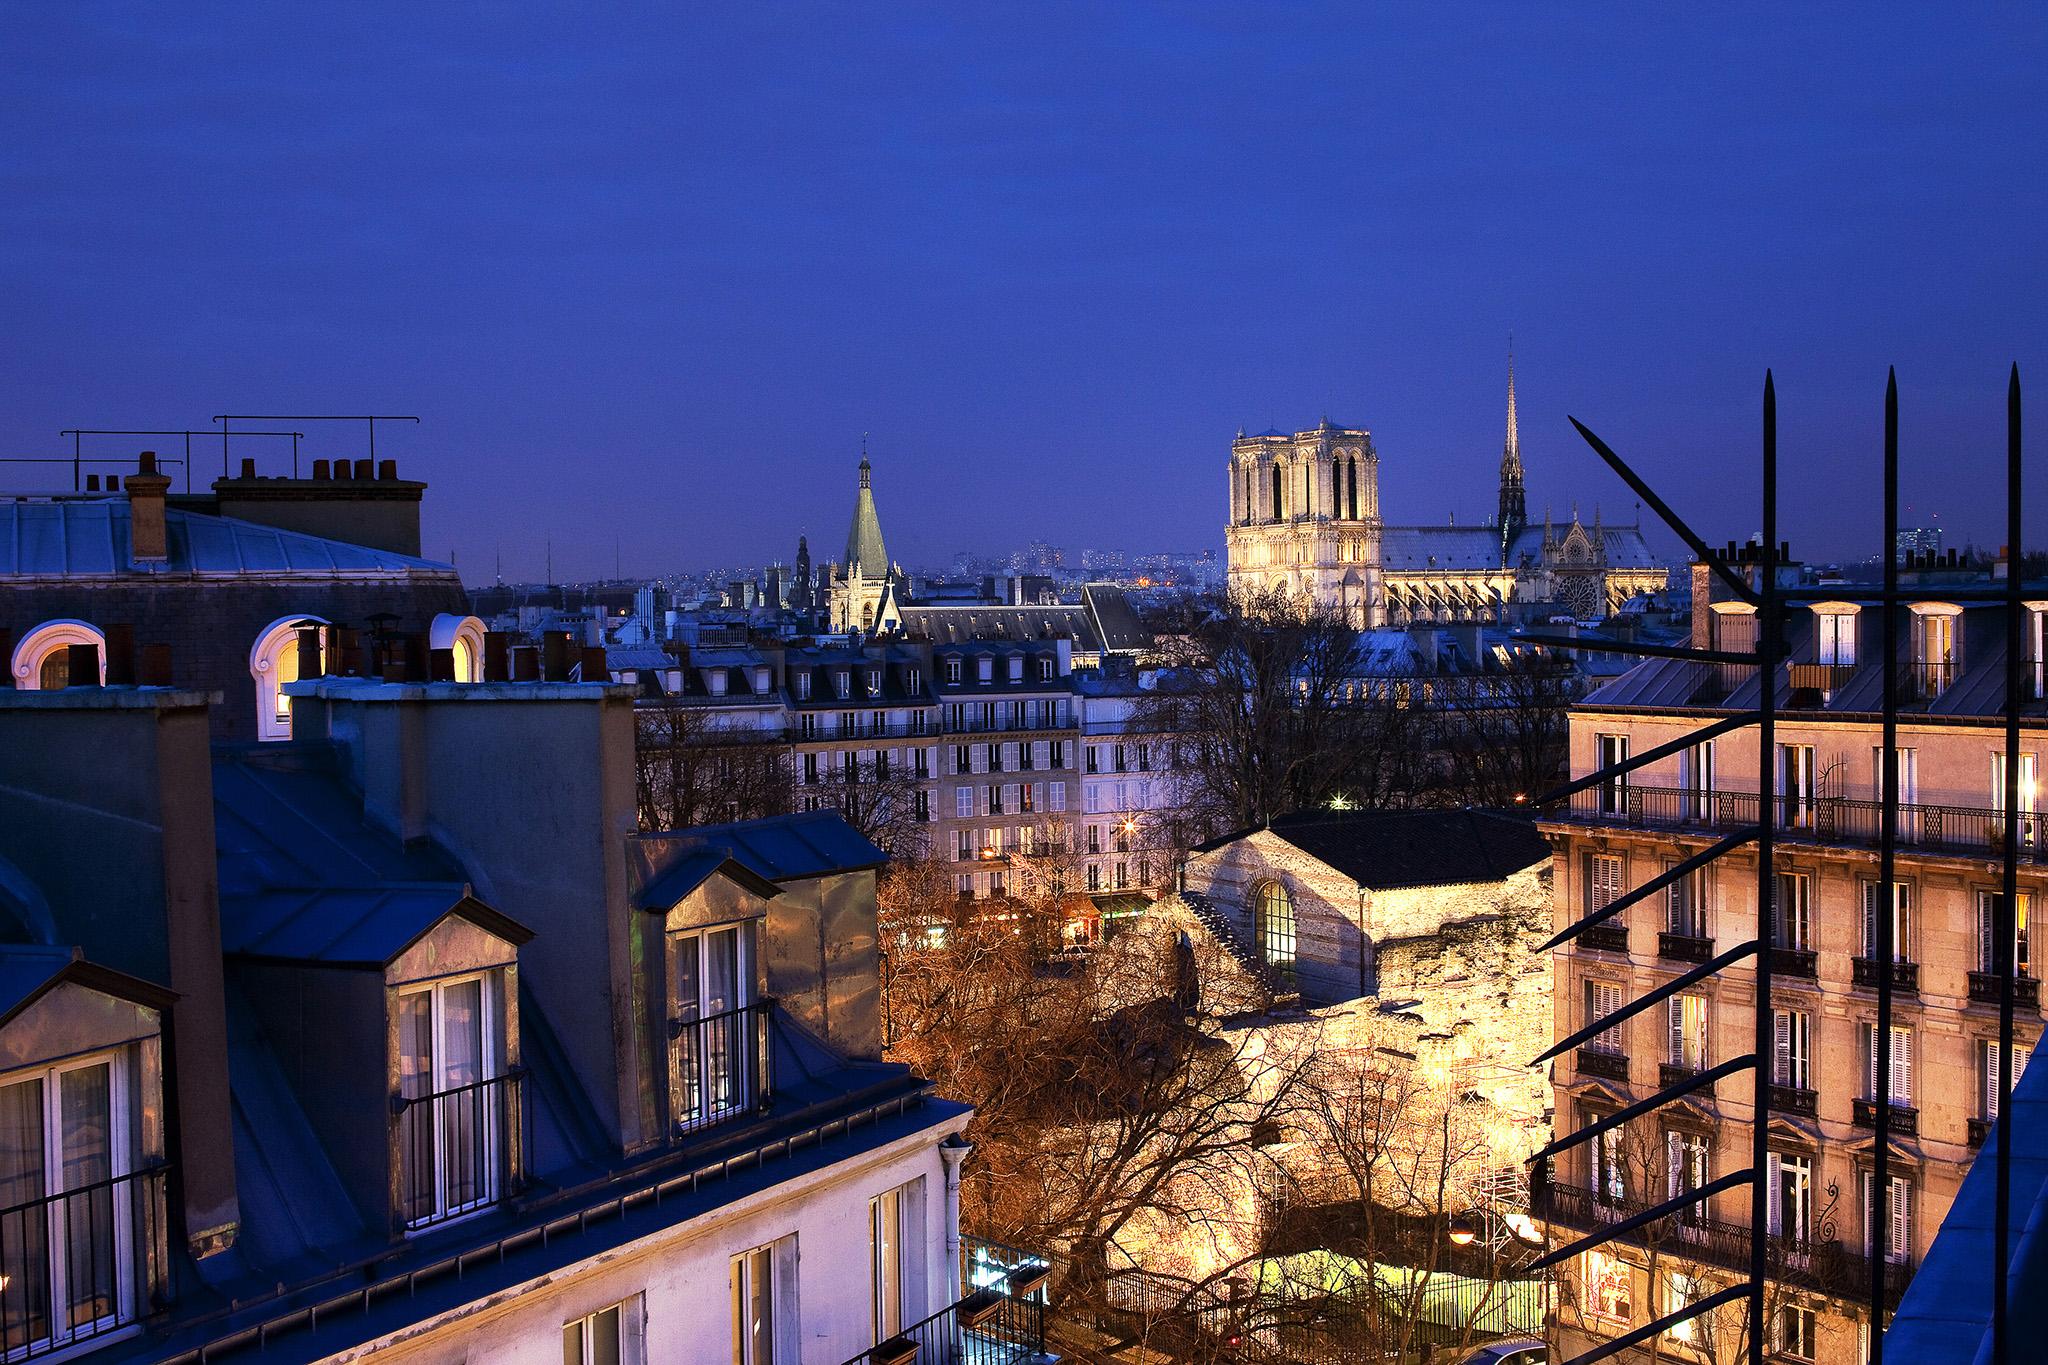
column 764, row 1310
column 42, row 661
column 1276, row 924
column 715, row 1038
column 1834, row 626
column 894, row 1234
column 456, row 1107
column 274, row 662
column 1607, row 1287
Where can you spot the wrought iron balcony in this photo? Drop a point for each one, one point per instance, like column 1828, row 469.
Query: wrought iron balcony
column 718, row 1068
column 1593, row 1062
column 1905, row 1119
column 1984, row 990
column 1905, row 975
column 84, row 1263
column 1793, row 962
column 997, row 1325
column 1684, row 947
column 459, row 1150
column 1604, row 938
column 1793, row 1099
column 1671, row 1073
column 1817, row 1260
column 1830, row 820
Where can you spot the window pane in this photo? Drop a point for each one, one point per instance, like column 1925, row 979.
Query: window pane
column 416, row 1121
column 24, row 1236
column 604, row 1337
column 572, row 1343
column 88, row 1214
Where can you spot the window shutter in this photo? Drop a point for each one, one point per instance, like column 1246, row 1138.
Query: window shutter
column 1902, row 1066
column 1782, row 1029
column 1674, row 1165
column 1038, row 796
column 1988, row 1069
column 1901, row 1205
column 1774, row 1168
column 1869, row 1060
column 1676, row 1007
column 1674, row 899
column 1870, row 919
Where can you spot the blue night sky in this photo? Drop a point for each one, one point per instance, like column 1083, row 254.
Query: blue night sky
column 649, row 274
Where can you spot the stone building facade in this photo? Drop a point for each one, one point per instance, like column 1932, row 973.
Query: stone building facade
column 1942, row 1074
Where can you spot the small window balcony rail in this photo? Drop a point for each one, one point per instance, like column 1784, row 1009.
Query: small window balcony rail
column 1928, row 680
column 1985, row 990
column 1594, row 1062
column 1794, row 1099
column 1905, row 975
column 1793, row 962
column 460, row 1150
column 85, row 1263
column 1605, row 938
column 1905, row 1119
column 719, row 1068
column 1671, row 1073
column 1684, row 947
column 998, row 1325
column 1827, row 820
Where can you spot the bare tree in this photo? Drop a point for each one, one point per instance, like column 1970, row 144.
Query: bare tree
column 688, row 770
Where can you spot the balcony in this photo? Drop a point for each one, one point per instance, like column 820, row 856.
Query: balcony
column 1684, row 947
column 995, row 1325
column 1905, row 976
column 1671, row 1073
column 1828, row 820
column 1984, row 990
column 85, row 1263
column 1926, row 681
column 1612, row 1065
column 1793, row 1099
column 1820, row 677
column 1604, row 938
column 458, row 1149
column 1905, row 1119
column 718, row 1067
column 1825, row 1266
column 1793, row 962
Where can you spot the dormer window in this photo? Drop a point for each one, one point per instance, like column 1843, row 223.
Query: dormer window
column 2034, row 643
column 803, row 687
column 717, row 1028
column 760, row 679
column 987, row 668
column 842, row 683
column 874, row 682
column 1016, row 668
column 953, row 669
column 457, row 1106
column 1937, row 647
column 1045, row 670
column 1834, row 633
column 718, row 682
column 913, row 680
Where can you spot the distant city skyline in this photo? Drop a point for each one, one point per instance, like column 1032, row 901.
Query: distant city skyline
column 648, row 281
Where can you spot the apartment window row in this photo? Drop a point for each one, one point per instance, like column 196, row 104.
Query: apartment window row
column 1119, row 758
column 1009, row 798
column 1013, row 756
column 854, row 765
column 1024, row 713
column 970, row 845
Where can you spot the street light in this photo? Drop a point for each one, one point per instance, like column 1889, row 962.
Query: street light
column 1464, row 1230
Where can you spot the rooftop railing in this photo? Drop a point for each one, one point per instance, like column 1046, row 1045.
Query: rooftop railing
column 719, row 1067
column 460, row 1149
column 1807, row 819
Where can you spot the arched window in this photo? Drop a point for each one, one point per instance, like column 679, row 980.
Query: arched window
column 464, row 636
column 273, row 662
column 42, row 661
column 1276, row 924
column 1277, row 494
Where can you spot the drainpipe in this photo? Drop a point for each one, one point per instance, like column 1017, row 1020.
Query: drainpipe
column 952, row 1152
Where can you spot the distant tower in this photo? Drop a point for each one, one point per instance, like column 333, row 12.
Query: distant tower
column 864, row 550
column 1514, row 512
column 800, row 586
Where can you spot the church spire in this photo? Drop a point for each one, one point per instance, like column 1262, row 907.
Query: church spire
column 864, row 551
column 1514, row 511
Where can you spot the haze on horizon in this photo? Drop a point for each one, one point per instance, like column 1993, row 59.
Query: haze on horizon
column 648, row 278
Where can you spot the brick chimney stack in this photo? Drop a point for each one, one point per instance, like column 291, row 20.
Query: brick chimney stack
column 148, row 543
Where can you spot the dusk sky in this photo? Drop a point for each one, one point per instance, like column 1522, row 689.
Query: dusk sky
column 648, row 274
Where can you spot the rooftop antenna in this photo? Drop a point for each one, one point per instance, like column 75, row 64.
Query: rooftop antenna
column 551, row 561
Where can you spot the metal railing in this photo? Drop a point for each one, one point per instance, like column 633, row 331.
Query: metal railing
column 1812, row 819
column 1818, row 1262
column 991, row 1326
column 718, row 1067
column 84, row 1263
column 461, row 1149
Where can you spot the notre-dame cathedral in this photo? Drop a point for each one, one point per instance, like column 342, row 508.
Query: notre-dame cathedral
column 1305, row 518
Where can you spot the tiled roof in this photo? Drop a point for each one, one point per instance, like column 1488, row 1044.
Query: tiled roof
column 90, row 539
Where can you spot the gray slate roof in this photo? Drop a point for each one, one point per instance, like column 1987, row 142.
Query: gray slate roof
column 778, row 848
column 90, row 539
column 1420, row 548
column 1384, row 850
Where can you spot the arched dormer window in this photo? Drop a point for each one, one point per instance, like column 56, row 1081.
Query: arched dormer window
column 464, row 635
column 1834, row 633
column 1275, row 916
column 42, row 661
column 273, row 662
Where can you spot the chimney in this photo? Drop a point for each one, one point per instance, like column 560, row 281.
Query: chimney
column 156, row 666
column 83, row 665
column 497, row 656
column 148, row 542
column 248, row 468
column 120, row 656
column 320, row 470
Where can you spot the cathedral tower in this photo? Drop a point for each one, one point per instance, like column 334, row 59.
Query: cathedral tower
column 1305, row 518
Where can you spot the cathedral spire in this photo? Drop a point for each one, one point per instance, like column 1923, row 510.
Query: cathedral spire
column 1514, row 511
column 864, row 551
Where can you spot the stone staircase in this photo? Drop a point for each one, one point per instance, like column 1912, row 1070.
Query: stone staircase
column 1225, row 931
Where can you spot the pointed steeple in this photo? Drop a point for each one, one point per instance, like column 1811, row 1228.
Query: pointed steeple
column 1514, row 511
column 865, row 554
